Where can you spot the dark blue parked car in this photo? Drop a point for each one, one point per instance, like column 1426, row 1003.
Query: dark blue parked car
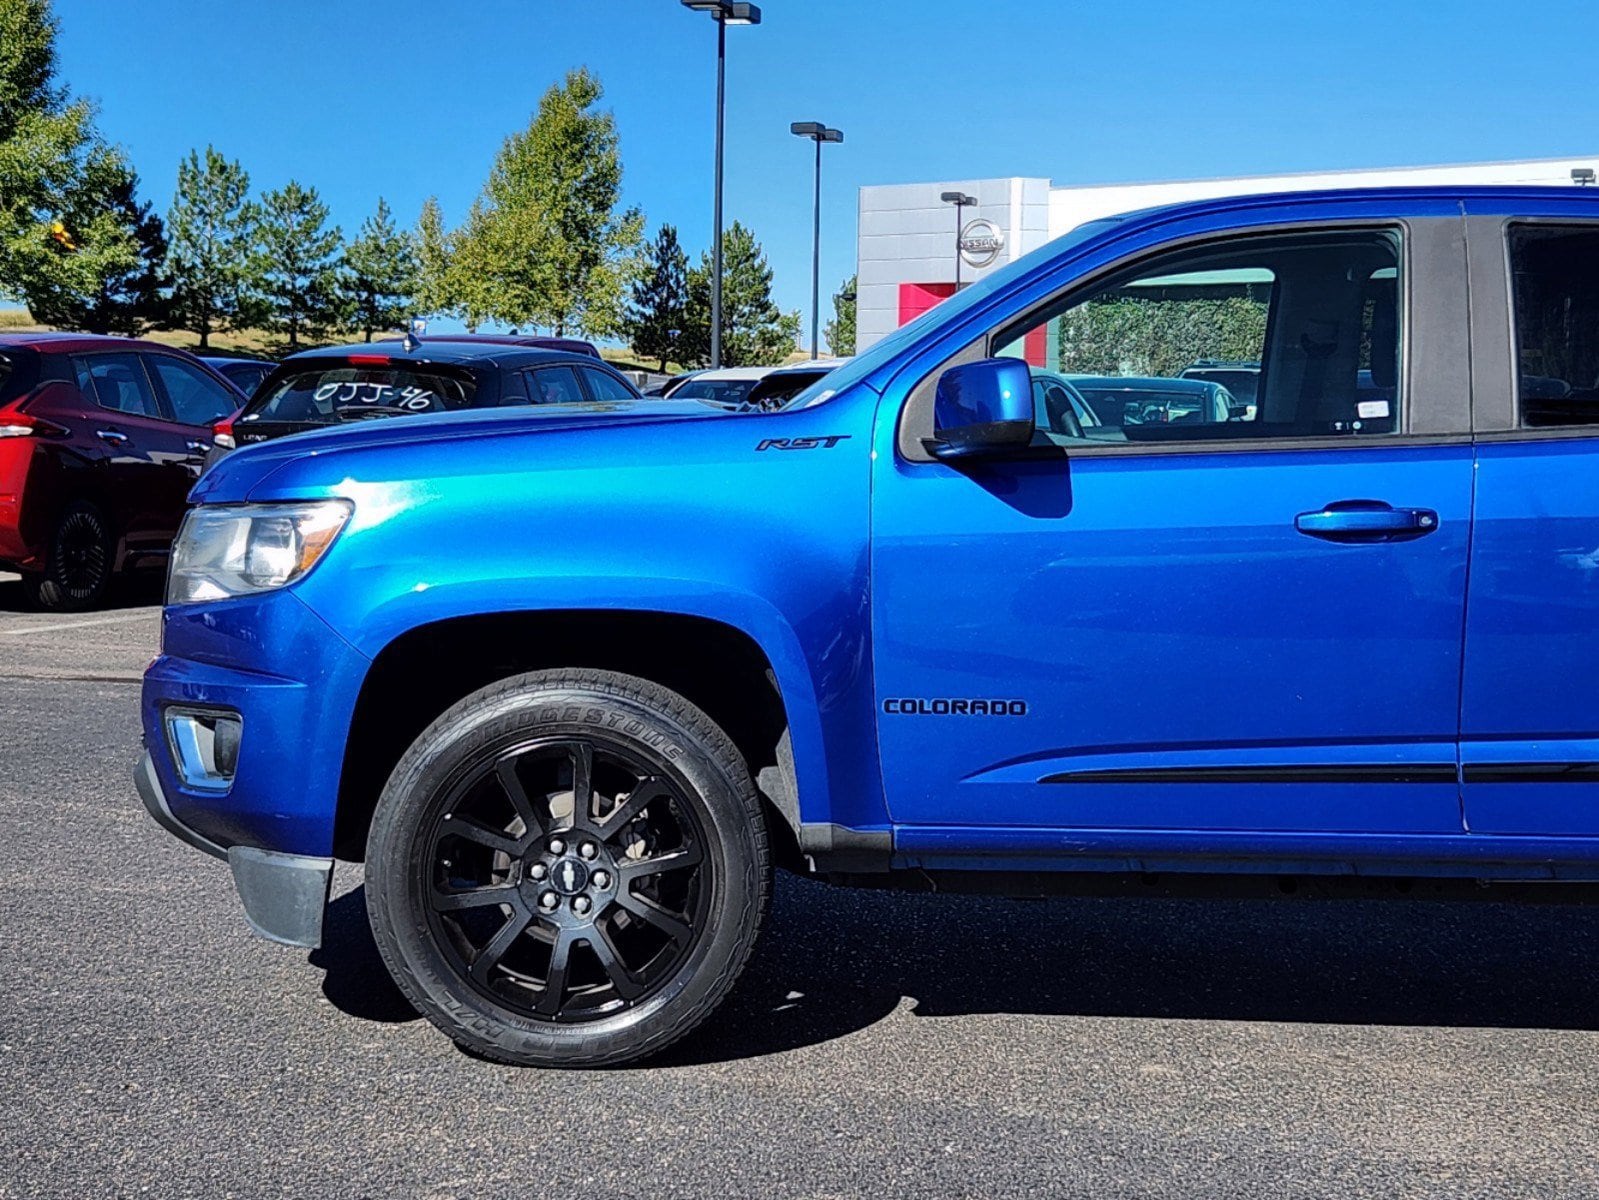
column 572, row 682
column 336, row 385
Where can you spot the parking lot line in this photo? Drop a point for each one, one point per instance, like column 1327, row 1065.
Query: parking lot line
column 60, row 625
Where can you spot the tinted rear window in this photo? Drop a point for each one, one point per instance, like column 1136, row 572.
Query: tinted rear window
column 341, row 392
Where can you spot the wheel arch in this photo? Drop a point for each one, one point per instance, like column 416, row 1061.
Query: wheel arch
column 718, row 666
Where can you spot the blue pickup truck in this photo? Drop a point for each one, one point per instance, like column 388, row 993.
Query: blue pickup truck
column 572, row 681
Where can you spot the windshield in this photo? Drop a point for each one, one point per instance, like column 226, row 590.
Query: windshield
column 326, row 395
column 863, row 365
column 778, row 388
column 729, row 393
column 1241, row 383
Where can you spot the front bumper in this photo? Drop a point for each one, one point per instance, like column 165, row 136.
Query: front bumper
column 292, row 683
column 284, row 895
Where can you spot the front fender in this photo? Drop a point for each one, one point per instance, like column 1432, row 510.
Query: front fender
column 697, row 522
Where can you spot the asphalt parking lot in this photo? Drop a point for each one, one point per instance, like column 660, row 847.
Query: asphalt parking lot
column 880, row 1045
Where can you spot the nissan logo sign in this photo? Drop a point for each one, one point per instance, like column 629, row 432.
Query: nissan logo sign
column 980, row 242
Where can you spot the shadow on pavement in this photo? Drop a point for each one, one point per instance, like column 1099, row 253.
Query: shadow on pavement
column 354, row 978
column 137, row 590
column 834, row 961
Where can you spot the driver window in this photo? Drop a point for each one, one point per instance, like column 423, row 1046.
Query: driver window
column 1267, row 336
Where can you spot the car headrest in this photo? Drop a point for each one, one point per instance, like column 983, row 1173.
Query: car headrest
column 1385, row 336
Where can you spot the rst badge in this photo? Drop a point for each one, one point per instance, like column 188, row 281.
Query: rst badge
column 804, row 443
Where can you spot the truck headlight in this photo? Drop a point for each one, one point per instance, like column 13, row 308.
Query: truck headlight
column 235, row 549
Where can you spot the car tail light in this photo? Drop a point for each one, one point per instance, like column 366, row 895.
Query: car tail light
column 222, row 434
column 371, row 360
column 16, row 423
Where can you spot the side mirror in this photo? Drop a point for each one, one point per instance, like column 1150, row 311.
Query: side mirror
column 982, row 408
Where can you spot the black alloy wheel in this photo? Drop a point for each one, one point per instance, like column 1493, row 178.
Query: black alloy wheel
column 568, row 868
column 568, row 879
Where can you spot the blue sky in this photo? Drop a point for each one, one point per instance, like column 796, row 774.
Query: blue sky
column 405, row 99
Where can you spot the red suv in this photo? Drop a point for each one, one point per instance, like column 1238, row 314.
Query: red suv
column 100, row 440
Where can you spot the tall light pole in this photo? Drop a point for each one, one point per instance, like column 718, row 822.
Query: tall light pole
column 724, row 13
column 818, row 133
column 960, row 200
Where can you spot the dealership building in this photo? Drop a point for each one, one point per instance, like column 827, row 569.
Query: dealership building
column 907, row 257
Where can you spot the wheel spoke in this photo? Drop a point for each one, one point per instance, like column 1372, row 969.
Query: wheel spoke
column 627, row 984
column 582, row 755
column 505, row 771
column 555, row 981
column 652, row 787
column 669, row 923
column 672, row 860
column 453, row 900
column 502, row 941
column 472, row 830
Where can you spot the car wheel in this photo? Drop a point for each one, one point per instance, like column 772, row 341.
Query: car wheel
column 78, row 565
column 568, row 868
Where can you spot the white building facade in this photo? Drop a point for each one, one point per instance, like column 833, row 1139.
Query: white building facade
column 907, row 257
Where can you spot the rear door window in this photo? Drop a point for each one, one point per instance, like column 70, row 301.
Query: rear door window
column 337, row 392
column 195, row 398
column 117, row 382
column 1555, row 273
column 605, row 386
column 554, row 385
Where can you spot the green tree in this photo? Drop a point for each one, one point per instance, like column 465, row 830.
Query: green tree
column 434, row 291
column 660, row 299
column 63, row 231
column 211, row 234
column 840, row 331
column 754, row 331
column 124, row 291
column 380, row 275
column 546, row 241
column 295, row 267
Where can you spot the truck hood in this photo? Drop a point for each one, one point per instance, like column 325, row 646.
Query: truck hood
column 235, row 476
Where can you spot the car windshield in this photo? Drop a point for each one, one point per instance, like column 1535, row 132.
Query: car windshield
column 326, row 395
column 727, row 393
column 1241, row 383
column 778, row 388
column 1140, row 406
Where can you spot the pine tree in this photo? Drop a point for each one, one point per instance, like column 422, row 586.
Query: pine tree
column 380, row 275
column 754, row 331
column 295, row 264
column 124, row 292
column 660, row 299
column 434, row 294
column 840, row 331
column 546, row 241
column 211, row 245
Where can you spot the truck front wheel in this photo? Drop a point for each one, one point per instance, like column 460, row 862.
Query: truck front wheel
column 568, row 868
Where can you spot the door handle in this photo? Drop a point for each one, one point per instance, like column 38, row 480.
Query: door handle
column 1366, row 521
column 197, row 447
column 111, row 435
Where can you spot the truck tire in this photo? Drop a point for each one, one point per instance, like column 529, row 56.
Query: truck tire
column 77, row 568
column 568, row 868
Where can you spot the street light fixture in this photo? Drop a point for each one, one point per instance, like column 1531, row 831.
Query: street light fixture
column 960, row 200
column 724, row 13
column 818, row 133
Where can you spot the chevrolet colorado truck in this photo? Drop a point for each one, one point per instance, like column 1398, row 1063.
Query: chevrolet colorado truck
column 572, row 681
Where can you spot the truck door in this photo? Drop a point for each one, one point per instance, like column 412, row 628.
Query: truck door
column 1185, row 616
column 1530, row 709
